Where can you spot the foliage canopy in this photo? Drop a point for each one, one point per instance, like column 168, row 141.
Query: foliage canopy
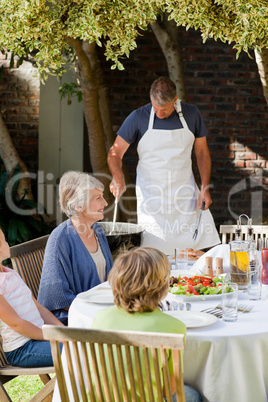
column 44, row 26
column 244, row 22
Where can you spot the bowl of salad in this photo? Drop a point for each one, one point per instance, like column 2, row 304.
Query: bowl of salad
column 197, row 287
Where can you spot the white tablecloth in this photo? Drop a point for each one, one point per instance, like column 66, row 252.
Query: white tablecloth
column 224, row 361
column 222, row 251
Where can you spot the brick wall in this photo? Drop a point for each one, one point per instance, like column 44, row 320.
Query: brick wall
column 229, row 95
column 19, row 104
column 227, row 91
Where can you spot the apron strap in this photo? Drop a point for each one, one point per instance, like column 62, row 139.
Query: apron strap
column 177, row 107
column 179, row 111
column 151, row 120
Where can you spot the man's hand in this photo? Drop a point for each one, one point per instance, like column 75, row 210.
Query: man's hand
column 115, row 155
column 204, row 196
column 204, row 165
column 117, row 187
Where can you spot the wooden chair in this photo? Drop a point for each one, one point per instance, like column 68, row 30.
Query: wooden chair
column 228, row 232
column 86, row 361
column 27, row 259
column 8, row 372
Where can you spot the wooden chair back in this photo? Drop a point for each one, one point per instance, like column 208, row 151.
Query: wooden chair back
column 3, row 360
column 27, row 259
column 8, row 372
column 228, row 232
column 119, row 364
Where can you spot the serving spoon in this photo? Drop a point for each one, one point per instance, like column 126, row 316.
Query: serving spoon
column 114, row 217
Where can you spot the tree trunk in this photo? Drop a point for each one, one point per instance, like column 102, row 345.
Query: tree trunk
column 167, row 36
column 97, row 116
column 262, row 63
column 11, row 159
column 103, row 93
column 127, row 211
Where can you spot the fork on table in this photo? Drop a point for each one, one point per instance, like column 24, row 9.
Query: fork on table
column 217, row 311
column 213, row 310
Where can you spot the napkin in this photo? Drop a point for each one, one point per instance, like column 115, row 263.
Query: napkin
column 222, row 250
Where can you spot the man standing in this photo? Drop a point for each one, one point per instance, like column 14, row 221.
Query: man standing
column 168, row 199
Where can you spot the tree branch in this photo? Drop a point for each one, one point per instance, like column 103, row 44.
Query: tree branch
column 11, row 159
column 77, row 44
column 170, row 49
column 262, row 63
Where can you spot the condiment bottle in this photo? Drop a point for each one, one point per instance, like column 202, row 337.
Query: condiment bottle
column 238, row 232
column 254, row 291
column 264, row 256
column 208, row 268
column 219, row 266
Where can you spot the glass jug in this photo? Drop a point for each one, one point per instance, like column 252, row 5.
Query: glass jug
column 239, row 264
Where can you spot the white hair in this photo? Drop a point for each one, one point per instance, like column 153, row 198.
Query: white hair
column 73, row 191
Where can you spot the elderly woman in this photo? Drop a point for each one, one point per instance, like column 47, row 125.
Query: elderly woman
column 77, row 255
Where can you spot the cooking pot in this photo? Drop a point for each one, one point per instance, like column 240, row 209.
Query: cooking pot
column 124, row 233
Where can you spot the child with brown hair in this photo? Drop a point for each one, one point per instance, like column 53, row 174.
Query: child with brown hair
column 21, row 319
column 140, row 280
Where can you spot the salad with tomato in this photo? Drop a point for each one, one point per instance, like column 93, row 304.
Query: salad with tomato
column 196, row 285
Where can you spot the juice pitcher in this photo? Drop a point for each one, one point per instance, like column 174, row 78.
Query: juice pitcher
column 239, row 264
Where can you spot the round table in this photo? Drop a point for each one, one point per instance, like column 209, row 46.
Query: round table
column 224, row 361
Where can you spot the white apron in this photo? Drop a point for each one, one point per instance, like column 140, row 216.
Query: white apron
column 167, row 194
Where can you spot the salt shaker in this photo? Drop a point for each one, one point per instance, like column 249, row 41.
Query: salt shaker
column 208, row 269
column 219, row 266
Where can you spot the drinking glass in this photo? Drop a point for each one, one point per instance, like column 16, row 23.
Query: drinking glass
column 181, row 258
column 262, row 243
column 239, row 264
column 255, row 285
column 229, row 301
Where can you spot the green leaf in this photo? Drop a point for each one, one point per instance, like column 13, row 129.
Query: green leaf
column 23, row 230
column 12, row 232
column 14, row 183
column 38, row 225
column 30, row 204
column 3, row 182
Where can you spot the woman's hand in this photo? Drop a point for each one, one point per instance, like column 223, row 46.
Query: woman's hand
column 47, row 316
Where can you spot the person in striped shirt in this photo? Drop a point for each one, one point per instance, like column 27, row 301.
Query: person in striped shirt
column 21, row 319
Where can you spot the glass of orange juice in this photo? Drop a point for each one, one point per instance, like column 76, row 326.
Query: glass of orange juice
column 239, row 264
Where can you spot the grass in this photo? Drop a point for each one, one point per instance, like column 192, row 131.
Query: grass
column 23, row 388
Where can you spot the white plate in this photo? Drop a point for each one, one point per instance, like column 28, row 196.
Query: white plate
column 201, row 297
column 193, row 319
column 196, row 298
column 104, row 296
